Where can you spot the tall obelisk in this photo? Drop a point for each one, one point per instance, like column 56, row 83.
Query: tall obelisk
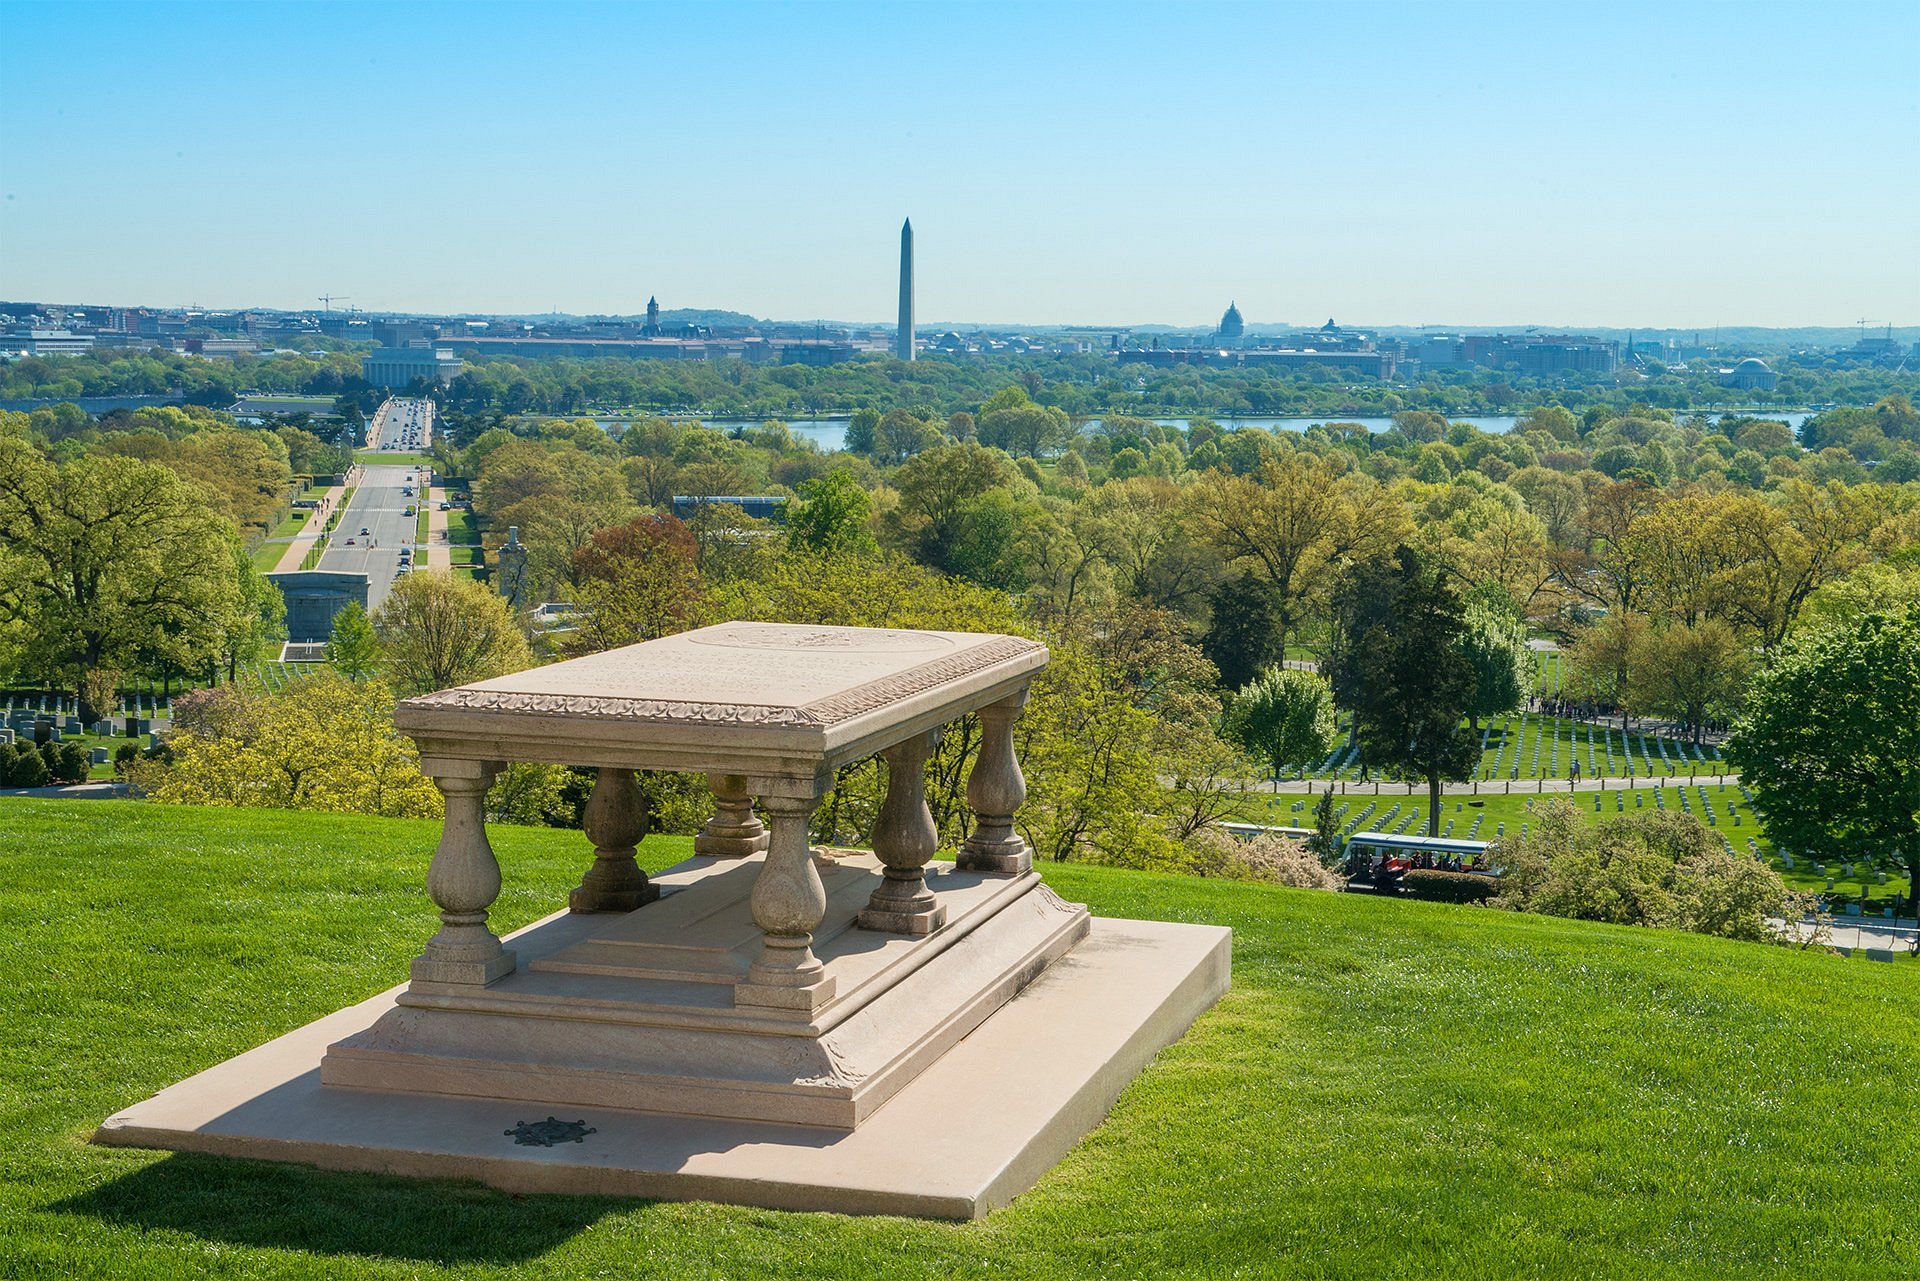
column 903, row 341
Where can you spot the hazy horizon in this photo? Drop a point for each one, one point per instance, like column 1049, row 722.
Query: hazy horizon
column 1457, row 166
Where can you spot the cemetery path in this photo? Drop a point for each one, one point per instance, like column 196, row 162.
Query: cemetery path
column 439, row 554
column 310, row 534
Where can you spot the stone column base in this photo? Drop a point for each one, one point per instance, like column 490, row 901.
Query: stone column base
column 1008, row 856
column 479, row 973
column 587, row 899
column 722, row 846
column 906, row 921
column 780, row 997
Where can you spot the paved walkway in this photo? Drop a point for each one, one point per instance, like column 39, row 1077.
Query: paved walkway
column 72, row 791
column 316, row 522
column 1859, row 934
column 439, row 554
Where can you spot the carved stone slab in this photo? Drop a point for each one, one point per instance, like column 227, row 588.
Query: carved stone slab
column 760, row 698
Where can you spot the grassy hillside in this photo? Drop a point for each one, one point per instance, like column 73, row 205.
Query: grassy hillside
column 1391, row 1089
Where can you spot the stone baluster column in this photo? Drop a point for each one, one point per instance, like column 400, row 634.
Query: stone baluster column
column 904, row 837
column 788, row 902
column 616, row 822
column 463, row 880
column 995, row 790
column 734, row 831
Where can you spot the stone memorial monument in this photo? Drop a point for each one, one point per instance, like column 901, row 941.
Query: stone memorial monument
column 766, row 1022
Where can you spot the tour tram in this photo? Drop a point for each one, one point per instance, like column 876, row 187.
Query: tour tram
column 1371, row 854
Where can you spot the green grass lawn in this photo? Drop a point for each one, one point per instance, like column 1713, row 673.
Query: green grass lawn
column 1391, row 1089
column 266, row 557
column 460, row 527
column 1483, row 818
column 466, row 556
column 295, row 521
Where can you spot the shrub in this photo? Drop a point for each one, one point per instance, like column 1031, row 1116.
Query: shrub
column 1653, row 868
column 1449, row 887
column 25, row 767
column 67, row 761
column 1264, row 858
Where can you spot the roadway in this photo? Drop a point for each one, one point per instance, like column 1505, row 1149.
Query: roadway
column 401, row 425
column 379, row 506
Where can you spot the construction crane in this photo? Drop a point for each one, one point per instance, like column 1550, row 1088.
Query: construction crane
column 326, row 300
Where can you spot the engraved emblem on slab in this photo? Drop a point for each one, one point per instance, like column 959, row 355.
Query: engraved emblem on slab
column 547, row 1133
column 780, row 636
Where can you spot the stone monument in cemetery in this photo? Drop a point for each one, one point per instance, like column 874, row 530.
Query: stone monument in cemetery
column 766, row 1022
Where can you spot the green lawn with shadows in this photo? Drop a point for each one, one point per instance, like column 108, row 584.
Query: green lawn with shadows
column 1482, row 817
column 1534, row 746
column 1390, row 1090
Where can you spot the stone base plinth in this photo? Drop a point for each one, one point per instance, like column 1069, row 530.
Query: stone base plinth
column 480, row 973
column 672, row 1007
column 975, row 1127
column 888, row 921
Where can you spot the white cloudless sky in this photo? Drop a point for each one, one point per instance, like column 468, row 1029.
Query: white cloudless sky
column 1115, row 163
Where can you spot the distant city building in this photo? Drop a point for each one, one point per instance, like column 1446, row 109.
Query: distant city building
column 257, row 409
column 1539, row 354
column 227, row 347
column 1882, row 350
column 1374, row 364
column 1750, row 374
column 772, row 351
column 652, row 328
column 50, row 342
column 401, row 366
column 903, row 336
column 1232, row 327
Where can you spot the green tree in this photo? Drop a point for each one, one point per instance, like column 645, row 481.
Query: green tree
column 106, row 563
column 1030, row 430
column 258, row 623
column 1285, row 716
column 1400, row 669
column 1830, row 743
column 1325, row 841
column 1690, row 673
column 436, row 632
column 831, row 516
column 861, row 430
column 637, row 582
column 352, row 646
column 1601, row 660
column 938, row 494
column 323, row 743
column 1243, row 637
column 1495, row 643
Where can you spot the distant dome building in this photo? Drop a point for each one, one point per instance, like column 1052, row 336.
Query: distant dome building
column 1750, row 374
column 1232, row 326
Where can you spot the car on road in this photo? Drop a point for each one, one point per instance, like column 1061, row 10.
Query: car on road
column 350, row 542
column 364, row 529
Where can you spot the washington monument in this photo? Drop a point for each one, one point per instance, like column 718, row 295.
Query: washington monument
column 903, row 341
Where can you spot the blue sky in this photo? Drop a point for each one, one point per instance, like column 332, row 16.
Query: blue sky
column 1597, row 164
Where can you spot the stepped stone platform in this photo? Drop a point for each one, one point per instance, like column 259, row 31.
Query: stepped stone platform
column 766, row 1022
